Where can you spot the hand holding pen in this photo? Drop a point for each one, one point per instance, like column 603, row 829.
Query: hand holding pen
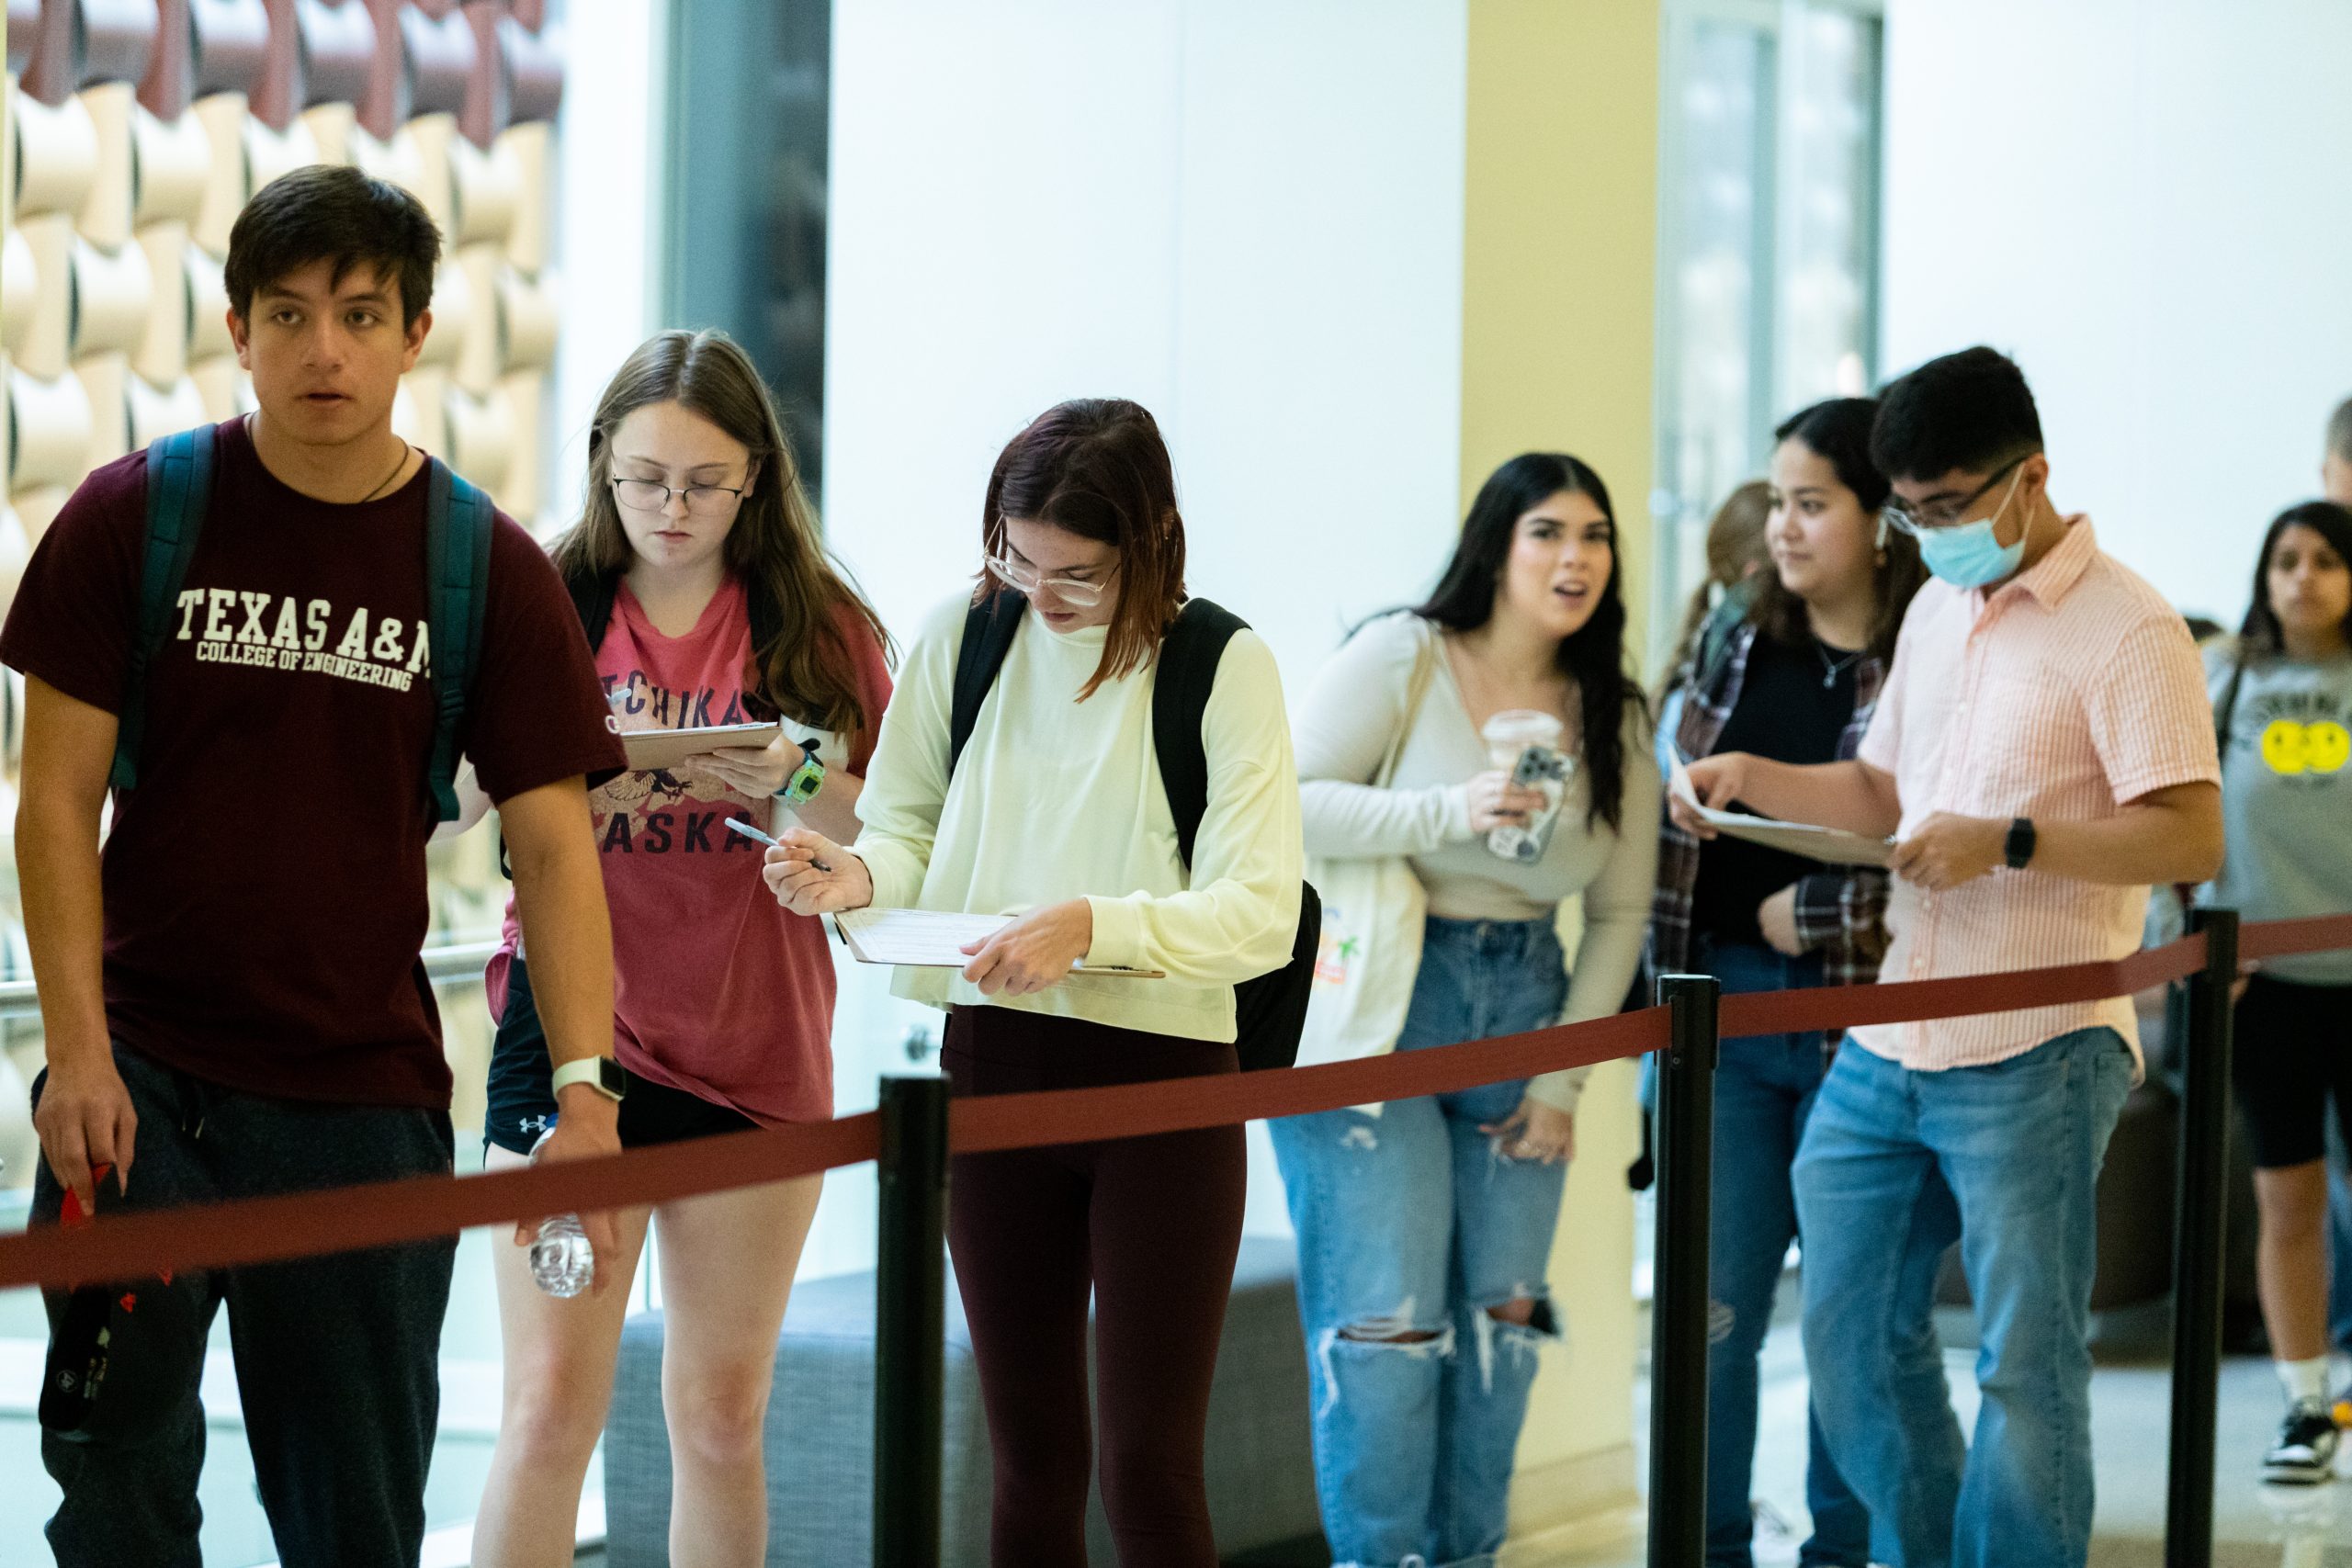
column 810, row 874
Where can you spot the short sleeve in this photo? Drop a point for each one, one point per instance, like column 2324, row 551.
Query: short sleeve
column 2150, row 719
column 76, row 612
column 1882, row 746
column 538, row 712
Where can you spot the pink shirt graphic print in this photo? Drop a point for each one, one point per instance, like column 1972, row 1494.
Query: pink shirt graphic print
column 716, row 989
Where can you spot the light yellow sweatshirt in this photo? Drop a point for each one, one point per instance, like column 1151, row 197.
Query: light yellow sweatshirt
column 1055, row 799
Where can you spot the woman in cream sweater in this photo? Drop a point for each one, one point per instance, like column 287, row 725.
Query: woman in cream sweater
column 1424, row 1230
column 1054, row 812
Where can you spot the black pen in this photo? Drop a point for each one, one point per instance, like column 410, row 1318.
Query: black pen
column 750, row 832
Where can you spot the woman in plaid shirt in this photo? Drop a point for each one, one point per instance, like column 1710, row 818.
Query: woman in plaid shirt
column 1791, row 672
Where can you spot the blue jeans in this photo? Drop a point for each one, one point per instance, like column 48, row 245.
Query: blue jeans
column 1896, row 1164
column 1765, row 1086
column 1414, row 1223
column 337, row 1358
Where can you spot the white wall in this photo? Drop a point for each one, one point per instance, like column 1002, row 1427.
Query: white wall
column 1247, row 217
column 2143, row 200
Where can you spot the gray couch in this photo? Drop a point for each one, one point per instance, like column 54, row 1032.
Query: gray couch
column 820, row 1430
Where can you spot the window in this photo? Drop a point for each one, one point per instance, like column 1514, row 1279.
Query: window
column 1767, row 248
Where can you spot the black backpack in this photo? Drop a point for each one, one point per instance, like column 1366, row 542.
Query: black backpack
column 1270, row 1013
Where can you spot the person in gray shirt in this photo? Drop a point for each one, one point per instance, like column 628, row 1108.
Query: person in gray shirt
column 2282, row 707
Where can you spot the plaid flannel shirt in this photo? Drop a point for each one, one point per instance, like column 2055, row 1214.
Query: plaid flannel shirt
column 1840, row 911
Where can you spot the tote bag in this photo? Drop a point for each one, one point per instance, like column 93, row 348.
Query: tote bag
column 1374, row 910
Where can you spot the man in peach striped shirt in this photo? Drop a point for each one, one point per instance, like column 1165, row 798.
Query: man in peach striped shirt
column 2042, row 752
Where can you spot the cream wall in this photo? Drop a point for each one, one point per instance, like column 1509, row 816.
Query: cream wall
column 2143, row 201
column 1560, row 257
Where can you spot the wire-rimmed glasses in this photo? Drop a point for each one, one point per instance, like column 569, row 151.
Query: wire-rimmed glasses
column 650, row 495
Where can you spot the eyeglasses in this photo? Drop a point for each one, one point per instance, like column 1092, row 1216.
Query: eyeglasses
column 702, row 500
column 1944, row 514
column 1069, row 590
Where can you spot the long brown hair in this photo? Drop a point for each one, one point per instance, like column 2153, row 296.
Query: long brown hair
column 1098, row 468
column 802, row 668
column 1838, row 430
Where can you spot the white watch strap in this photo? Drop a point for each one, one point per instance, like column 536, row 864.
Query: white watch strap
column 580, row 1069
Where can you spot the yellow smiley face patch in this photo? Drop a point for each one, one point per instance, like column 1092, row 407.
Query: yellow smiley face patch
column 2290, row 747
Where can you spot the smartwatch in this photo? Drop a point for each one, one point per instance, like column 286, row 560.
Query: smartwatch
column 600, row 1073
column 2018, row 850
column 801, row 785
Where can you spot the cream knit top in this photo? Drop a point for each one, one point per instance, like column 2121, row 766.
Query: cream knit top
column 1345, row 727
column 1055, row 798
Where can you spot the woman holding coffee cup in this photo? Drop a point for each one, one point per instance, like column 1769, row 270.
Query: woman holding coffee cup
column 1490, row 739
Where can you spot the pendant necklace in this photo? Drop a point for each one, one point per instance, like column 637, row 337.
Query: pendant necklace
column 1830, row 671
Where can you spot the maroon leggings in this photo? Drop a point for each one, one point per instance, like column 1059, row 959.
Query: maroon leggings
column 1150, row 1225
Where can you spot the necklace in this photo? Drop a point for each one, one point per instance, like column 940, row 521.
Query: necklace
column 1830, row 671
column 388, row 478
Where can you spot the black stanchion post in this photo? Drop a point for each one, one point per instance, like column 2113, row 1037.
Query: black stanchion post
column 2200, row 1220
column 909, row 1322
column 1679, row 1297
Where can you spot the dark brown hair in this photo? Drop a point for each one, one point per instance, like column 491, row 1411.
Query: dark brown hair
column 1838, row 431
column 804, row 670
column 2260, row 636
column 330, row 212
column 1098, row 469
column 1594, row 655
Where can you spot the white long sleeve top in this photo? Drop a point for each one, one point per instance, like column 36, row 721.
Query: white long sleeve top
column 1055, row 798
column 1350, row 715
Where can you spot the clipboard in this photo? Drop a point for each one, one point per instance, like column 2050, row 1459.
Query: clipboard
column 935, row 938
column 1833, row 846
column 650, row 750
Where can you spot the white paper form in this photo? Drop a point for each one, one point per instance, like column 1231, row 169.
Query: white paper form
column 934, row 939
column 1833, row 846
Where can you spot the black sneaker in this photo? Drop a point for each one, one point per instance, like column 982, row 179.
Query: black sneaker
column 2304, row 1454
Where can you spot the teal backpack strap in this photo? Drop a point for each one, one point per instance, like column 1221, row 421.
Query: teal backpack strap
column 458, row 524
column 179, row 488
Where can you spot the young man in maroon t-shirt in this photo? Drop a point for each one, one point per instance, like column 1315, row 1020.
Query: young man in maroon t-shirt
column 231, row 987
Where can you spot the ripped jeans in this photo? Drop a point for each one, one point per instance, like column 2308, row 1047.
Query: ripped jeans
column 1413, row 1224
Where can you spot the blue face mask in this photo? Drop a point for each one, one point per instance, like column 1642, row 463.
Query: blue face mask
column 1967, row 555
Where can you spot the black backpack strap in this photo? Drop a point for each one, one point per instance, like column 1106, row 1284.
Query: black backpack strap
column 988, row 628
column 1187, row 661
column 179, row 489
column 2226, row 710
column 593, row 597
column 458, row 521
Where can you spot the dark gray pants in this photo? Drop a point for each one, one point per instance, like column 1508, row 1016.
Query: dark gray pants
column 337, row 1358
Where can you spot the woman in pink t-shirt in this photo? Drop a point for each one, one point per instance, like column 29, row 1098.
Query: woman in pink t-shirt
column 708, row 598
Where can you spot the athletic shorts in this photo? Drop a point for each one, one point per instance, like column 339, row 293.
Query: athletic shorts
column 2293, row 1054
column 522, row 1099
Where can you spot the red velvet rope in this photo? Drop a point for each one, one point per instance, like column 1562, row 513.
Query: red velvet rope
column 262, row 1230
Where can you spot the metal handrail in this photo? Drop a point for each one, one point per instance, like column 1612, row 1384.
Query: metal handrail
column 459, row 961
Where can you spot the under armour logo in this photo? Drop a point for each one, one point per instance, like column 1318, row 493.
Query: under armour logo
column 533, row 1125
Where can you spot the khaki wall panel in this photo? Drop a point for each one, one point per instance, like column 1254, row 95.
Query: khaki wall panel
column 525, row 395
column 488, row 189
column 38, row 507
column 46, row 346
column 207, row 307
column 157, row 410
column 223, row 117
column 222, row 385
column 57, row 155
column 162, row 353
column 49, row 420
column 477, row 363
column 113, row 293
column 104, row 214
column 481, row 439
column 531, row 149
column 172, row 168
column 19, row 291
column 107, row 378
column 529, row 321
